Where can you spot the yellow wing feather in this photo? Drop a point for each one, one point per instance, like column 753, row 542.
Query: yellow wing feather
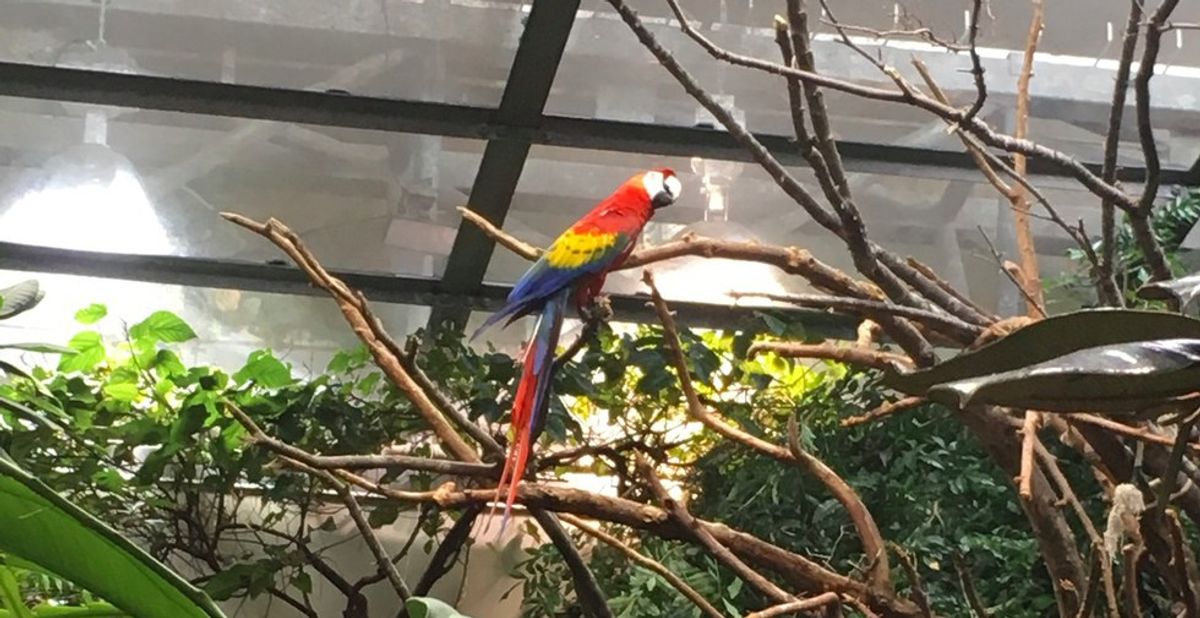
column 572, row 249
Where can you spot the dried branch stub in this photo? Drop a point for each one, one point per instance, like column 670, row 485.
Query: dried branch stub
column 1127, row 505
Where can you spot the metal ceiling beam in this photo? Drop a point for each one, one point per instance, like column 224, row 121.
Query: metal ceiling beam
column 406, row 290
column 445, row 119
column 529, row 80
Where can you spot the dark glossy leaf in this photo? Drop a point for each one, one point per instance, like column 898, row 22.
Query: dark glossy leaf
column 1182, row 291
column 1048, row 339
column 383, row 515
column 20, row 298
column 1125, row 377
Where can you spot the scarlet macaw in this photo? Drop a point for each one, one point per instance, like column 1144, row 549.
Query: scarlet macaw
column 574, row 265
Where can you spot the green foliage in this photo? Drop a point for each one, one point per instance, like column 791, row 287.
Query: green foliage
column 1171, row 222
column 169, row 444
column 42, row 527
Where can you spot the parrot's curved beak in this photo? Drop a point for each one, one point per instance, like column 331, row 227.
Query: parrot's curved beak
column 669, row 193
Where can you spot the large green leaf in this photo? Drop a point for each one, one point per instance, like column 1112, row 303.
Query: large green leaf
column 428, row 607
column 1124, row 377
column 42, row 527
column 163, row 326
column 1046, row 340
column 19, row 298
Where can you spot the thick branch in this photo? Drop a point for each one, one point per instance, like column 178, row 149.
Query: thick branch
column 591, row 597
column 863, row 521
column 353, row 309
column 829, row 351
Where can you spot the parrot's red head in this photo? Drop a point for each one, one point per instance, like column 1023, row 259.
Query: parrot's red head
column 661, row 186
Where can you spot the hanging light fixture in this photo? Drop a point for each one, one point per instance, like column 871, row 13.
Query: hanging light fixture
column 711, row 280
column 88, row 197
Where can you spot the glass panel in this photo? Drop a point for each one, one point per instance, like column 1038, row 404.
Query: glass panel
column 607, row 74
column 457, row 51
column 931, row 214
column 133, row 181
column 303, row 330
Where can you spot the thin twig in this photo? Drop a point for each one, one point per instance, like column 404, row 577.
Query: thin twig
column 382, row 561
column 968, row 586
column 1011, row 277
column 1136, row 433
column 645, row 562
column 1031, row 279
column 976, row 63
column 821, row 600
column 887, row 409
column 864, row 522
column 1179, row 559
column 915, row 586
column 714, row 547
column 1050, row 465
column 1028, row 439
column 953, row 327
column 1143, row 232
column 591, row 598
column 1112, row 144
column 508, row 241
column 446, row 554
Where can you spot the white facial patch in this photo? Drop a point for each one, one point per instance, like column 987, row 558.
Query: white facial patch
column 673, row 187
column 653, row 183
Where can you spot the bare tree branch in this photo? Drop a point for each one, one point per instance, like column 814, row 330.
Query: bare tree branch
column 710, row 543
column 792, row 607
column 646, row 562
column 352, row 308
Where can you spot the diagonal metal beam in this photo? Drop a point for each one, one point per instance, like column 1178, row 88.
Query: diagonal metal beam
column 419, row 291
column 536, row 62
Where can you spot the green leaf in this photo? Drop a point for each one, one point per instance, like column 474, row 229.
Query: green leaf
column 383, row 515
column 20, row 298
column 89, row 352
column 10, row 593
column 303, row 582
column 44, row 348
column 91, row 313
column 1048, row 339
column 44, row 528
column 264, row 369
column 122, row 391
column 428, row 607
column 91, row 610
column 1127, row 377
column 162, row 326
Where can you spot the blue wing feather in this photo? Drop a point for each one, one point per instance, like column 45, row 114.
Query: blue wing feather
column 543, row 280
